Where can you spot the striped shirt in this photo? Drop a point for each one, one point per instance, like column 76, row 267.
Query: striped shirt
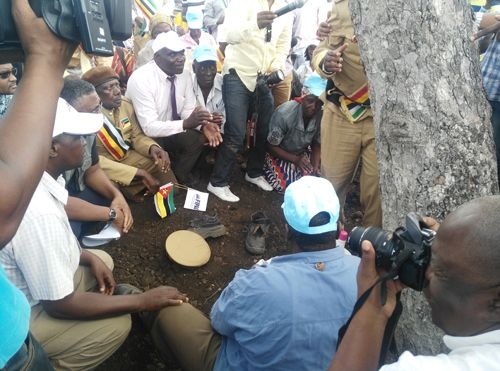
column 490, row 69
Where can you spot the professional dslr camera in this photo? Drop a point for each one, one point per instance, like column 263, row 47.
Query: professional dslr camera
column 95, row 23
column 270, row 79
column 407, row 251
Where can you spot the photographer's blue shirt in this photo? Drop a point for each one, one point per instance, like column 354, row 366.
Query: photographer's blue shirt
column 14, row 318
column 491, row 72
column 285, row 314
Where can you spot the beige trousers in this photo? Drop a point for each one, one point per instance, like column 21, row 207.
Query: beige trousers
column 185, row 333
column 78, row 344
column 342, row 145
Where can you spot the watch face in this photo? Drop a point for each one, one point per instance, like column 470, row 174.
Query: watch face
column 112, row 214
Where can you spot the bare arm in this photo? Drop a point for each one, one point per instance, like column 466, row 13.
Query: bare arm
column 360, row 348
column 85, row 305
column 23, row 157
column 78, row 209
column 96, row 179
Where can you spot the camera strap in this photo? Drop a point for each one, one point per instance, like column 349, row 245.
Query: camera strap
column 388, row 340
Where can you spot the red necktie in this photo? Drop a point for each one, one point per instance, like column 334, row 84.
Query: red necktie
column 173, row 102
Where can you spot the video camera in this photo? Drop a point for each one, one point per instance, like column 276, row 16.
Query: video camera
column 94, row 23
column 408, row 250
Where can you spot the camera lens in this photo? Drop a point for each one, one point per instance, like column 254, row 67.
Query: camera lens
column 379, row 238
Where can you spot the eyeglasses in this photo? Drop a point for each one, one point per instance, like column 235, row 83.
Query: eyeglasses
column 5, row 75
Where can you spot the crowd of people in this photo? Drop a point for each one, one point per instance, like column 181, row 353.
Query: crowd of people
column 217, row 80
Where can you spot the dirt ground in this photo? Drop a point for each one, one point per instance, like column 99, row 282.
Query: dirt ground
column 140, row 257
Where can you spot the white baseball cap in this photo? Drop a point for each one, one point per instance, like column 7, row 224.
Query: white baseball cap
column 70, row 121
column 169, row 40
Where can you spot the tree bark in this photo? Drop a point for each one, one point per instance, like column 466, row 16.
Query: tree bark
column 433, row 130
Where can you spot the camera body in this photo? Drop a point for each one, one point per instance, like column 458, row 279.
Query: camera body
column 94, row 23
column 273, row 78
column 407, row 249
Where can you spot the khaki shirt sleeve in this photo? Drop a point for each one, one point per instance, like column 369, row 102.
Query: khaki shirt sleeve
column 321, row 50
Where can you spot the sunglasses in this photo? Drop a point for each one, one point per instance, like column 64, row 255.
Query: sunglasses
column 5, row 75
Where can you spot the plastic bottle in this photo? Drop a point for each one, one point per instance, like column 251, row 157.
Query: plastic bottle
column 342, row 240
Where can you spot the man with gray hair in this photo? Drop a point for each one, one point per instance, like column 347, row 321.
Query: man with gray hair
column 93, row 198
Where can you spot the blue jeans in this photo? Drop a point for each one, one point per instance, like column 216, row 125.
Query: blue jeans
column 239, row 103
column 495, row 123
column 30, row 356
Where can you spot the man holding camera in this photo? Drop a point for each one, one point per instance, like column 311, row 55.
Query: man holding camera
column 258, row 45
column 463, row 291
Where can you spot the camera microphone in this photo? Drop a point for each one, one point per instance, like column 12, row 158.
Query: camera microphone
column 291, row 6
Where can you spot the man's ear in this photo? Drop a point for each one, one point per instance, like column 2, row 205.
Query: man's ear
column 53, row 149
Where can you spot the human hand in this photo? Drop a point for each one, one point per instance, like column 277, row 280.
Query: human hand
column 162, row 160
column 217, row 118
column 103, row 275
column 332, row 62
column 40, row 45
column 123, row 212
column 368, row 275
column 265, row 19
column 303, row 164
column 323, row 30
column 161, row 297
column 199, row 116
column 212, row 133
column 431, row 223
column 152, row 184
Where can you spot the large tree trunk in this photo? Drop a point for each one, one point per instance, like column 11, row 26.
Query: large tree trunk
column 434, row 140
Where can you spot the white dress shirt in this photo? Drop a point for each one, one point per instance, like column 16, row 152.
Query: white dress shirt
column 149, row 90
column 468, row 353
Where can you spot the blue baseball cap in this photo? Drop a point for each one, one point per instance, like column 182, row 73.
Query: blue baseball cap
column 194, row 18
column 314, row 85
column 307, row 197
column 203, row 53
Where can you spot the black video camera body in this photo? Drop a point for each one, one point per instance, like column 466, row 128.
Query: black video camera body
column 408, row 250
column 95, row 23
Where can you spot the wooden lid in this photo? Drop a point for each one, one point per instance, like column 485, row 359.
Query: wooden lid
column 187, row 248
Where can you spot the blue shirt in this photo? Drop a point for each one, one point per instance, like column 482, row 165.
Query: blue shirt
column 14, row 319
column 285, row 315
column 490, row 69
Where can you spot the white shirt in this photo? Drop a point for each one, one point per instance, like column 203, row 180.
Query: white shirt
column 205, row 39
column 468, row 353
column 149, row 90
column 214, row 100
column 247, row 51
column 43, row 256
column 308, row 18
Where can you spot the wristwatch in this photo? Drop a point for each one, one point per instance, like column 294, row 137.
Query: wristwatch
column 111, row 215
